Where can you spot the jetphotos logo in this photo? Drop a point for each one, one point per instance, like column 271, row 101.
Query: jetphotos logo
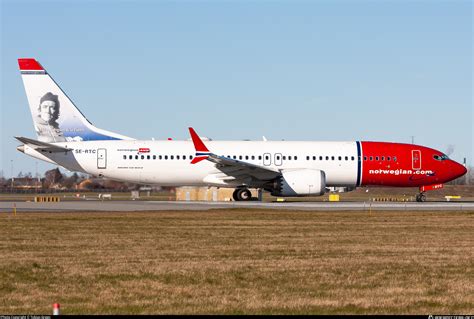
column 399, row 172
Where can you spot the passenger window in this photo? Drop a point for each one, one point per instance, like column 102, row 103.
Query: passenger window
column 190, row 157
column 166, row 157
column 376, row 158
column 340, row 158
column 235, row 157
column 136, row 157
column 253, row 157
column 365, row 158
column 284, row 158
column 296, row 157
column 314, row 158
column 352, row 158
column 240, row 157
column 148, row 157
column 184, row 157
column 289, row 157
column 320, row 158
column 332, row 158
column 347, row 158
column 371, row 158
column 130, row 157
column 260, row 157
column 327, row 158
column 267, row 157
column 246, row 157
column 394, row 158
column 125, row 157
column 307, row 158
column 177, row 157
column 388, row 158
column 383, row 158
column 278, row 157
column 154, row 157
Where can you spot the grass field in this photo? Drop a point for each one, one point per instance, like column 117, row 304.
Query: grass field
column 237, row 262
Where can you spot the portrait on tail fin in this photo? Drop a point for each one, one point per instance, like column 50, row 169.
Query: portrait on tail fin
column 46, row 123
column 55, row 117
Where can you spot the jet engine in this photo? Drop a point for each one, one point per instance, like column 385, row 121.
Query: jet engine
column 301, row 182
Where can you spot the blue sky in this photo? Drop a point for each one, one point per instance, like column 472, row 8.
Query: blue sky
column 293, row 70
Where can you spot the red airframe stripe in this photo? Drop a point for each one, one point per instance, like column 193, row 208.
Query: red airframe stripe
column 29, row 64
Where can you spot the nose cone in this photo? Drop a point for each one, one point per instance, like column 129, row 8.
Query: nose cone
column 458, row 170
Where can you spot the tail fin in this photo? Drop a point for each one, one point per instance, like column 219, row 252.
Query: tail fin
column 55, row 117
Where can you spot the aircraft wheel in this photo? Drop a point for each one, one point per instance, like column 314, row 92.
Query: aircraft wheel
column 241, row 194
column 421, row 198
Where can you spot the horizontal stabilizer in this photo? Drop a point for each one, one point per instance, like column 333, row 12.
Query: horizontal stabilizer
column 42, row 146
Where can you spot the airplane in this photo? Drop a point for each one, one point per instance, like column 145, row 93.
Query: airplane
column 284, row 168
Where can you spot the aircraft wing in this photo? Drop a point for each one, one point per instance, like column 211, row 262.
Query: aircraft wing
column 42, row 146
column 231, row 169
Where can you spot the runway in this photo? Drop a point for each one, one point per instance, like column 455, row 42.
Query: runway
column 111, row 206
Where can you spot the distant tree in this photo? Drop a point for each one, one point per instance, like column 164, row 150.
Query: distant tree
column 71, row 181
column 115, row 185
column 52, row 177
column 90, row 185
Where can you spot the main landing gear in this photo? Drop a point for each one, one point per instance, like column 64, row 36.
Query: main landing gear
column 241, row 194
column 421, row 197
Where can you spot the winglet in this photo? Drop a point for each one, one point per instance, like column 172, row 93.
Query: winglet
column 202, row 152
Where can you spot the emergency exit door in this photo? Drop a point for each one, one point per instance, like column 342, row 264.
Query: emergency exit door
column 101, row 158
column 416, row 159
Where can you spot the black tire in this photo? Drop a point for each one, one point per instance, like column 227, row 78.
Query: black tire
column 234, row 195
column 421, row 198
column 242, row 194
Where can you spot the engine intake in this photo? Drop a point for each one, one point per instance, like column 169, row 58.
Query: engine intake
column 301, row 182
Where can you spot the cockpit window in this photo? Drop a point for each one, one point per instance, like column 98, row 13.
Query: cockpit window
column 441, row 157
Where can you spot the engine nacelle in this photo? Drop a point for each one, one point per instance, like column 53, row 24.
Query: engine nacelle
column 301, row 182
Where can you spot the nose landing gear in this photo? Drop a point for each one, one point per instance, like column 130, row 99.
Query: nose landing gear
column 421, row 197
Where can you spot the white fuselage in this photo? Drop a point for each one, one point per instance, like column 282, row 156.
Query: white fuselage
column 167, row 163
